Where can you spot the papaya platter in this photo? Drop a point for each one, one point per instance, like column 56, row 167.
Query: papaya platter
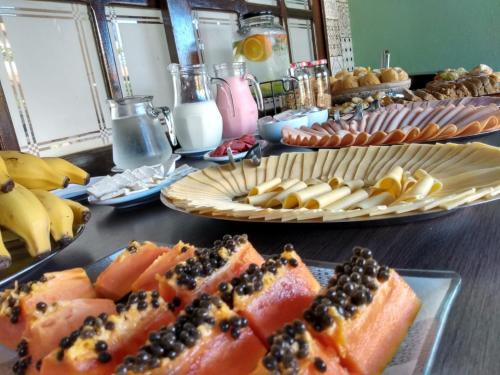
column 190, row 310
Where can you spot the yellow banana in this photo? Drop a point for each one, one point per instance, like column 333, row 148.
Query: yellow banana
column 32, row 172
column 76, row 175
column 5, row 258
column 22, row 213
column 61, row 216
column 6, row 182
column 80, row 212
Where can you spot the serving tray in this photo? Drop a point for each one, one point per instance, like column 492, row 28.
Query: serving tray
column 436, row 289
column 23, row 263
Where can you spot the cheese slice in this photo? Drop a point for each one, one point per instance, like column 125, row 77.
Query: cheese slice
column 370, row 156
column 448, row 198
column 261, row 171
column 354, row 164
column 425, row 185
column 339, row 156
column 300, row 197
column 320, row 161
column 286, row 184
column 330, row 158
column 348, row 201
column 327, row 198
column 249, row 173
column 313, row 181
column 407, row 181
column 280, row 198
column 391, row 182
column 266, row 186
column 384, row 198
column 296, row 167
column 280, row 168
column 261, row 199
column 467, row 199
column 308, row 161
column 289, row 164
column 272, row 164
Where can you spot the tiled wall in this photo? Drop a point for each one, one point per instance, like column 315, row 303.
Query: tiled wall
column 338, row 30
column 52, row 79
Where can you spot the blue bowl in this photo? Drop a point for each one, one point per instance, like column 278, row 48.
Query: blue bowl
column 271, row 131
column 317, row 117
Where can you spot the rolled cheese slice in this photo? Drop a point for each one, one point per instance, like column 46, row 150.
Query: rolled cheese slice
column 313, row 181
column 336, row 182
column 265, row 187
column 328, row 198
column 278, row 199
column 300, row 197
column 354, row 184
column 425, row 185
column 381, row 199
column 407, row 181
column 348, row 201
column 261, row 199
column 285, row 185
column 391, row 182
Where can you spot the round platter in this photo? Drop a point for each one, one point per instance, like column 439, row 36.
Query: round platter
column 23, row 263
column 459, row 139
column 465, row 175
column 368, row 221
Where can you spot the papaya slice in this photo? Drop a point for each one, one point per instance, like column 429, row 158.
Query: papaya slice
column 294, row 351
column 207, row 269
column 117, row 279
column 50, row 323
column 276, row 293
column 165, row 262
column 207, row 338
column 103, row 341
column 353, row 313
column 17, row 304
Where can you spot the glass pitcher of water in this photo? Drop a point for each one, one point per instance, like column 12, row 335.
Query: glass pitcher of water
column 197, row 120
column 139, row 134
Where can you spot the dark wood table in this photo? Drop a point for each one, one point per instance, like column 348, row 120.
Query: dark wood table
column 467, row 242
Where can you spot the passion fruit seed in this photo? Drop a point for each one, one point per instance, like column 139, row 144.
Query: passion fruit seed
column 41, row 306
column 320, row 364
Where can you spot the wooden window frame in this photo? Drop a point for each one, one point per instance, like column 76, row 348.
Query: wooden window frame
column 179, row 29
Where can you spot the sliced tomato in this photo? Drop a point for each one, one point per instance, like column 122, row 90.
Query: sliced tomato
column 165, row 262
column 204, row 272
column 19, row 303
column 50, row 323
column 117, row 279
column 104, row 341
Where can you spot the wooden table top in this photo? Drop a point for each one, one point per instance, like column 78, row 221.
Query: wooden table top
column 466, row 242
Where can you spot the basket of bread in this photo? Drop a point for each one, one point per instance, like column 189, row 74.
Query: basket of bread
column 364, row 82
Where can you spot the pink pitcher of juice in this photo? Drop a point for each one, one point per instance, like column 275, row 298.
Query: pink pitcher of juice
column 244, row 118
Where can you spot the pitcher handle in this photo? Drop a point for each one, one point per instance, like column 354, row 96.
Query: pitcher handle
column 256, row 90
column 222, row 83
column 167, row 120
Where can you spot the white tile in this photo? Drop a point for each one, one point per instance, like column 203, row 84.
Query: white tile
column 301, row 41
column 217, row 32
column 141, row 52
column 58, row 102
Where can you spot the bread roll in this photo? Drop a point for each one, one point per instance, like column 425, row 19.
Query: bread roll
column 359, row 71
column 369, row 79
column 342, row 74
column 349, row 82
column 389, row 75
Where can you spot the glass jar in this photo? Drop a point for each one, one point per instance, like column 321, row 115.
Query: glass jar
column 263, row 45
column 322, row 83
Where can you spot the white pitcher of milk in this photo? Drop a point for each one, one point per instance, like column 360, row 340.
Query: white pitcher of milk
column 197, row 120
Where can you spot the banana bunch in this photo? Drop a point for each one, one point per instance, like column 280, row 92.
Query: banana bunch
column 41, row 173
column 29, row 211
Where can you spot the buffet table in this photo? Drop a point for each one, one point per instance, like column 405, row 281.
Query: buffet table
column 465, row 242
